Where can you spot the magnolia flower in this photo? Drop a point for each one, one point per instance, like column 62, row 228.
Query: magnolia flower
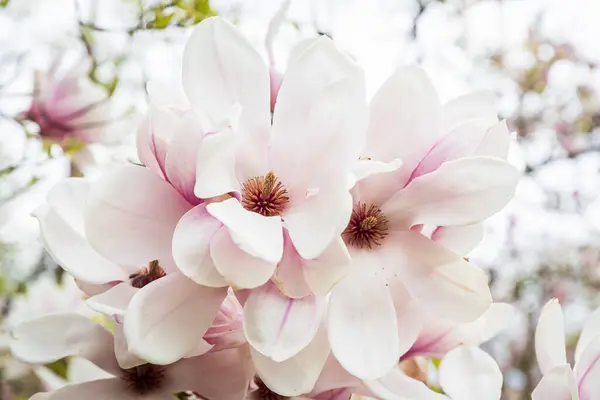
column 220, row 375
column 121, row 283
column 67, row 105
column 452, row 176
column 277, row 196
column 560, row 381
column 288, row 180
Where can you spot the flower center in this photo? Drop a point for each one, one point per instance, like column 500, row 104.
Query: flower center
column 368, row 226
column 143, row 379
column 264, row 393
column 146, row 275
column 264, row 195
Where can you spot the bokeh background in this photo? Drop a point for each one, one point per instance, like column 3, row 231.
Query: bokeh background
column 540, row 58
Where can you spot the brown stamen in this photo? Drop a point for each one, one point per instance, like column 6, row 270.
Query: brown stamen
column 265, row 195
column 146, row 275
column 368, row 226
column 143, row 379
column 264, row 393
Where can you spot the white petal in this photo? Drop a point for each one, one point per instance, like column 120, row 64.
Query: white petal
column 171, row 310
column 459, row 239
column 238, row 268
column 397, row 386
column 558, row 383
column 131, row 215
column 496, row 142
column 324, row 272
column 550, row 337
column 316, row 222
column 220, row 70
column 590, row 330
column 362, row 325
column 191, row 247
column 461, row 110
column 310, row 93
column 460, row 192
column 456, row 291
column 296, row 375
column 331, row 141
column 278, row 326
column 215, row 168
column 469, row 373
column 55, row 336
column 125, row 358
column 258, row 236
column 114, row 301
column 405, row 116
column 71, row 250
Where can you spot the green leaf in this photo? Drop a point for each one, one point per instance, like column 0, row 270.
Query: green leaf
column 59, row 367
column 4, row 3
column 161, row 21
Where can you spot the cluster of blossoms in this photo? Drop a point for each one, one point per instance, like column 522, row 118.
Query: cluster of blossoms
column 304, row 253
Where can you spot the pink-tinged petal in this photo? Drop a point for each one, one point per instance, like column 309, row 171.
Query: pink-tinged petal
column 464, row 109
column 315, row 222
column 334, row 376
column 72, row 251
column 171, row 310
column 496, row 142
column 469, row 373
column 459, row 143
column 113, row 302
column 558, row 383
column 238, row 268
column 259, row 236
column 440, row 336
column 191, row 247
column 324, row 272
column 182, row 156
column 590, row 330
column 459, row 239
column 153, row 137
column 333, row 137
column 587, row 370
column 222, row 375
column 289, row 275
column 277, row 326
column 125, row 358
column 550, row 337
column 396, row 385
column 298, row 374
column 227, row 329
column 405, row 116
column 131, row 215
column 221, row 70
column 215, row 168
column 55, row 336
column 104, row 389
column 364, row 342
column 457, row 291
column 460, row 192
